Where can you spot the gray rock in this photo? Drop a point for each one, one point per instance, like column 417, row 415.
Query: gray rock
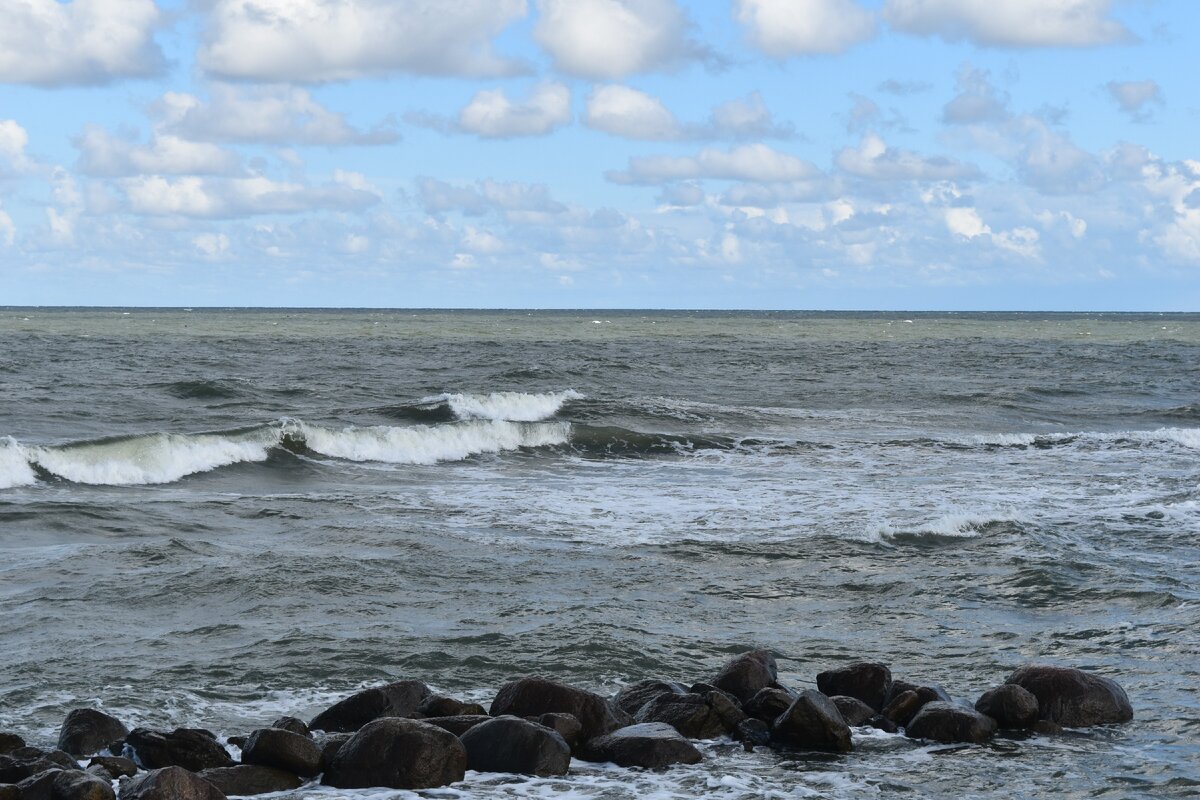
column 1010, row 705
column 169, row 783
column 746, row 675
column 59, row 784
column 867, row 681
column 944, row 722
column 530, row 697
column 1073, row 698
column 854, row 711
column 510, row 744
column 767, row 704
column 193, row 749
column 631, row 698
column 292, row 724
column 458, row 725
column 116, row 766
column 813, row 722
column 250, row 779
column 330, row 743
column 439, row 706
column 565, row 725
column 690, row 714
column 86, row 731
column 399, row 699
column 398, row 754
column 652, row 745
column 291, row 752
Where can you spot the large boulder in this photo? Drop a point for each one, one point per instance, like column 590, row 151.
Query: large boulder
column 292, row 724
column 399, row 699
column 690, row 714
column 249, row 779
column 190, row 748
column 1010, row 705
column 169, row 783
column 746, row 675
column 652, row 745
column 439, row 706
column 927, row 693
column 767, row 704
column 458, row 725
column 1073, row 698
column 24, row 762
column 854, row 711
column 867, row 681
column 398, row 754
column 291, row 752
column 330, row 744
column 565, row 725
column 59, row 784
column 86, row 731
column 10, row 742
column 531, row 697
column 813, row 722
column 631, row 698
column 944, row 722
column 903, row 707
column 510, row 744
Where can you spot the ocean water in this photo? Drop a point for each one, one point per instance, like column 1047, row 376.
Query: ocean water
column 215, row 518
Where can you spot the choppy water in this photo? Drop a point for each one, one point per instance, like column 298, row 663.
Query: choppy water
column 219, row 517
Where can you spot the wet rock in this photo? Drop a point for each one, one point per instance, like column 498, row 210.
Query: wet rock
column 291, row 752
column 114, row 765
column 812, row 722
column 746, row 675
column 458, row 725
column 631, row 698
column 510, row 744
column 100, row 772
column 881, row 723
column 928, row 693
column 439, row 706
column 58, row 784
column 768, row 704
column 398, row 754
column 330, row 744
column 86, row 731
column 903, row 707
column 399, row 699
column 753, row 733
column 24, row 762
column 1046, row 727
column 867, row 681
column 565, row 725
column 652, row 745
column 249, row 779
column 1073, row 698
column 292, row 724
column 236, row 741
column 193, row 749
column 727, row 709
column 944, row 722
column 1010, row 705
column 529, row 697
column 169, row 783
column 690, row 714
column 9, row 791
column 854, row 711
column 10, row 742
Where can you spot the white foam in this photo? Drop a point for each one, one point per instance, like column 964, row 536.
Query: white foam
column 154, row 458
column 422, row 444
column 509, row 406
column 14, row 464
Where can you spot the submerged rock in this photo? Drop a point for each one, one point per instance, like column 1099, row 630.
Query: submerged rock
column 169, row 783
column 193, row 749
column 864, row 680
column 944, row 722
column 746, row 675
column 854, row 711
column 812, row 722
column 1073, row 698
column 275, row 747
column 399, row 699
column 86, row 731
column 511, row 744
column 530, row 697
column 652, row 745
column 398, row 754
column 251, row 779
column 1010, row 705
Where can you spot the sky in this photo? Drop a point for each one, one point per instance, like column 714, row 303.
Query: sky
column 776, row 154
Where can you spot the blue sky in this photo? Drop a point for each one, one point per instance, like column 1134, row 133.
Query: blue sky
column 841, row 154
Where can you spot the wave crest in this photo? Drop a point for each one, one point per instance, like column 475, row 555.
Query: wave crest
column 427, row 444
column 14, row 464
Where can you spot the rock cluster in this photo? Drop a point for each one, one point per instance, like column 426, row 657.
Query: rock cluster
column 402, row 736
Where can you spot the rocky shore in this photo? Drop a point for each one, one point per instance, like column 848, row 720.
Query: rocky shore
column 403, row 736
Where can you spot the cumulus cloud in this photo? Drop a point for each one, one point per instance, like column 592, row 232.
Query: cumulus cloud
column 966, row 222
column 492, row 115
column 261, row 115
column 1052, row 163
column 610, row 39
column 8, row 231
column 1136, row 98
column 438, row 197
column 623, row 111
column 1012, row 23
column 783, row 28
column 755, row 162
column 977, row 99
column 83, row 42
column 13, row 141
column 201, row 197
column 331, row 40
column 874, row 160
column 102, row 154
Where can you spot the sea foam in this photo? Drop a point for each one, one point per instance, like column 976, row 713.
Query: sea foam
column 423, row 444
column 14, row 464
column 508, row 406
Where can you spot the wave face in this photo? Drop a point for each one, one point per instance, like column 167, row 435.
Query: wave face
column 14, row 464
column 427, row 444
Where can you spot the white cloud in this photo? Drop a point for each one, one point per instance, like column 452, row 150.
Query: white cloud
column 13, row 141
column 623, row 111
column 967, row 223
column 211, row 245
column 492, row 115
column 782, row 28
column 977, row 99
column 1052, row 163
column 439, row 197
column 103, row 155
column 261, row 114
column 755, row 163
column 1136, row 97
column 875, row 160
column 333, row 40
column 8, row 231
column 195, row 196
column 745, row 118
column 608, row 39
column 1011, row 23
column 83, row 42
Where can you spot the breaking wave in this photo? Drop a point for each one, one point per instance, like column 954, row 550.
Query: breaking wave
column 497, row 406
column 425, row 444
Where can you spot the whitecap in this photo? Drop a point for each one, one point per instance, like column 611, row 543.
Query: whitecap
column 422, row 444
column 509, row 406
column 14, row 464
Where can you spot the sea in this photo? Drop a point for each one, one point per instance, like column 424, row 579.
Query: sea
column 216, row 517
